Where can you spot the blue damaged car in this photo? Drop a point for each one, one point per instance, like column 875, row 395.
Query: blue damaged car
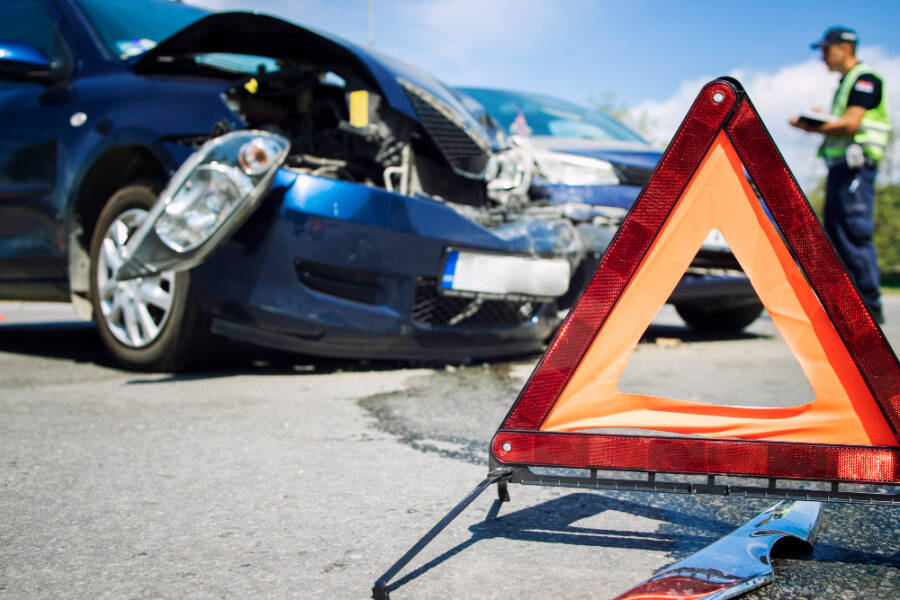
column 590, row 168
column 184, row 177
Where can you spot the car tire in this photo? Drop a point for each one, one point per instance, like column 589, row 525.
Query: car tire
column 149, row 323
column 716, row 318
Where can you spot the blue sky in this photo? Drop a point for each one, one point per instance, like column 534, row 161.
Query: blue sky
column 654, row 55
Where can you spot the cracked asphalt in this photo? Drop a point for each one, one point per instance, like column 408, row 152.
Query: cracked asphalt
column 279, row 476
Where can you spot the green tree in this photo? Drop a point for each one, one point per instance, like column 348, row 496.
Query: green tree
column 887, row 222
column 816, row 198
column 887, row 228
column 610, row 103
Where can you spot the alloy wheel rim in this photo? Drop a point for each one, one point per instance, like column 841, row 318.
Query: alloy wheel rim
column 135, row 311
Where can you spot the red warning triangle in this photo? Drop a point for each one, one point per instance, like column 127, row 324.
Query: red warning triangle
column 849, row 432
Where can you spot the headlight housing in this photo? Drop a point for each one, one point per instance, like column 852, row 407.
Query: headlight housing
column 509, row 174
column 208, row 197
column 569, row 169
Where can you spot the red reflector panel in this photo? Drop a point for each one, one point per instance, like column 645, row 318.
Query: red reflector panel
column 862, row 464
column 722, row 106
column 675, row 587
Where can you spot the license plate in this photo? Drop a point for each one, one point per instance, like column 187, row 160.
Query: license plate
column 486, row 273
column 715, row 241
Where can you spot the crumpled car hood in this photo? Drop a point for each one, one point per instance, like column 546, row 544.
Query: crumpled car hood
column 263, row 35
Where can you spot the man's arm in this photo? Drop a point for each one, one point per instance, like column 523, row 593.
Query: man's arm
column 865, row 94
column 847, row 124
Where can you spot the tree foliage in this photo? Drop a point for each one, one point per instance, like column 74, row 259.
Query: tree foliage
column 887, row 222
column 610, row 103
column 887, row 227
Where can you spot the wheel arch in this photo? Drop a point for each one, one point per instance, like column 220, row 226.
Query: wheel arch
column 115, row 168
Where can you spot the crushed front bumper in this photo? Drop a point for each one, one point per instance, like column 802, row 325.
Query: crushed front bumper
column 339, row 269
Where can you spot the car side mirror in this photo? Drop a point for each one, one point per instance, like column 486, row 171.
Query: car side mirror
column 24, row 62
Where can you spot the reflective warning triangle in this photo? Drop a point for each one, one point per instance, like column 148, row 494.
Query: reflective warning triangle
column 849, row 432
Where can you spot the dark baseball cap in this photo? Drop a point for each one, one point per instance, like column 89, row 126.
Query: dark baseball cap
column 836, row 35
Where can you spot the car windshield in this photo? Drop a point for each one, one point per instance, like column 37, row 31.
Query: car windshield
column 535, row 114
column 133, row 27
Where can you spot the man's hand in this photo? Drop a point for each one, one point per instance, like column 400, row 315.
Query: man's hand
column 805, row 124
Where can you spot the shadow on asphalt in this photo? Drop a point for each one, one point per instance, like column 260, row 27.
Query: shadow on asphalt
column 686, row 334
column 682, row 532
column 79, row 342
column 554, row 521
column 67, row 340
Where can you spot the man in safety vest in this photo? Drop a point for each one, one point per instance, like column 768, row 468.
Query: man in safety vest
column 856, row 136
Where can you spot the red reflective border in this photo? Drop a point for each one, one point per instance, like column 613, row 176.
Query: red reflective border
column 624, row 255
column 803, row 233
column 752, row 458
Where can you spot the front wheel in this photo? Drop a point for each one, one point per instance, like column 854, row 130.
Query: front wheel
column 147, row 323
column 718, row 318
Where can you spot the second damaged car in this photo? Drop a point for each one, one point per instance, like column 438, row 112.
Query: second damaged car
column 590, row 168
column 237, row 175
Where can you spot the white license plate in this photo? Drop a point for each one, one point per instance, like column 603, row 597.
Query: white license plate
column 715, row 241
column 481, row 272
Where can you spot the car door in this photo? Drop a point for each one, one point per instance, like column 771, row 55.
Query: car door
column 32, row 213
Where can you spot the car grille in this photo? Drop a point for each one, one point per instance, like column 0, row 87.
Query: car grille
column 436, row 310
column 631, row 175
column 463, row 149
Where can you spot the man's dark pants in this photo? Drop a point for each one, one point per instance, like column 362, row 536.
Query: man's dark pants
column 849, row 221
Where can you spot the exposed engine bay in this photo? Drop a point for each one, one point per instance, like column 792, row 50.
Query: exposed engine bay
column 340, row 127
column 385, row 125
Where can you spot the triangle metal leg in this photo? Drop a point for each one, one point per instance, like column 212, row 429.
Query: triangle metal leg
column 381, row 589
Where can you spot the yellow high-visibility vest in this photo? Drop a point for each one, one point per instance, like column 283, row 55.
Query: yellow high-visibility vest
column 874, row 132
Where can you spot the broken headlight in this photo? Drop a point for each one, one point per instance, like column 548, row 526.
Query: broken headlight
column 569, row 169
column 509, row 174
column 227, row 174
column 208, row 197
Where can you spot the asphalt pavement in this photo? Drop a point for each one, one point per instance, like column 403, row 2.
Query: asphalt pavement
column 279, row 476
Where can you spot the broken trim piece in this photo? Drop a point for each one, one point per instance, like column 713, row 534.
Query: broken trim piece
column 737, row 563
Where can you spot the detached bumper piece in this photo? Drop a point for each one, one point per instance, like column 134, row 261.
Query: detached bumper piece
column 737, row 563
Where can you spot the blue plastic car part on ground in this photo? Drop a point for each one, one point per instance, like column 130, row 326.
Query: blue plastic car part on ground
column 737, row 563
column 325, row 265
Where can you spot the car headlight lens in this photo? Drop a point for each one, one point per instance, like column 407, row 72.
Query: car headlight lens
column 226, row 175
column 569, row 169
column 206, row 198
column 509, row 174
